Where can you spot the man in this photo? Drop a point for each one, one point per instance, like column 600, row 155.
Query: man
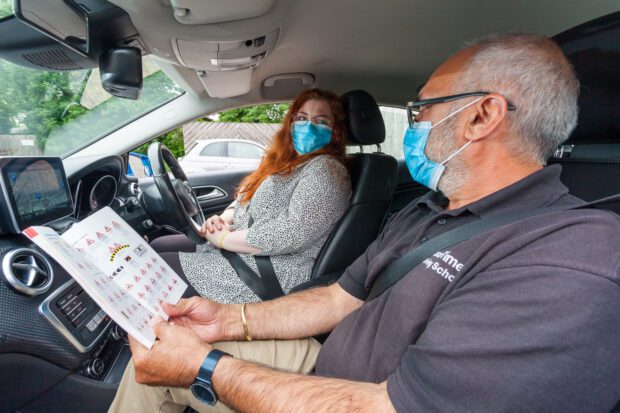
column 521, row 318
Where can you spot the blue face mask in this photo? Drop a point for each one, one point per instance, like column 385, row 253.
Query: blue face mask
column 422, row 169
column 310, row 137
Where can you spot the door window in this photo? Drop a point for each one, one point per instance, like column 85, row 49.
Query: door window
column 214, row 149
column 395, row 120
column 244, row 150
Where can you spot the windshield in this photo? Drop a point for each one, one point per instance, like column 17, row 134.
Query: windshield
column 58, row 113
column 6, row 8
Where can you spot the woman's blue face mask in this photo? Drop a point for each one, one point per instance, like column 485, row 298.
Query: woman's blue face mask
column 308, row 137
column 422, row 169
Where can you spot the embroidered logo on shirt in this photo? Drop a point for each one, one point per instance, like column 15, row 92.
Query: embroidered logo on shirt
column 444, row 264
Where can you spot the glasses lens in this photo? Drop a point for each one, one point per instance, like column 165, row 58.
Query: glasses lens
column 412, row 112
column 322, row 120
column 301, row 119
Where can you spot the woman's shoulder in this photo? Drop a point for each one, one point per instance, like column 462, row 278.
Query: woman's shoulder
column 325, row 164
column 327, row 171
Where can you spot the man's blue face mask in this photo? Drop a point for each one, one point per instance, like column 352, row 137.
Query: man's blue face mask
column 308, row 137
column 422, row 169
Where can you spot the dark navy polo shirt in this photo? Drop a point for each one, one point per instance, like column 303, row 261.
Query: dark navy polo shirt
column 525, row 317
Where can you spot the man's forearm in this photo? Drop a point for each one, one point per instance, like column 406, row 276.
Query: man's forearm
column 247, row 387
column 304, row 314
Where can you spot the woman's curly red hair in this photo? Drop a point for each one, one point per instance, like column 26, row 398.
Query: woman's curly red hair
column 281, row 157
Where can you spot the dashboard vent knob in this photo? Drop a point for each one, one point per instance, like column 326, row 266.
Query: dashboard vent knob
column 27, row 271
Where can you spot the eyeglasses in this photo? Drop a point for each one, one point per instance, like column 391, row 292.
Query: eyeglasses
column 302, row 119
column 414, row 108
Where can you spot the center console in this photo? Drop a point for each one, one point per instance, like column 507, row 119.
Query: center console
column 78, row 318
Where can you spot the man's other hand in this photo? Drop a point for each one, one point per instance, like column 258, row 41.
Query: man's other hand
column 174, row 359
column 200, row 315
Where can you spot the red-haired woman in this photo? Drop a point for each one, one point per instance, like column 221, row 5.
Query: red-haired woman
column 285, row 209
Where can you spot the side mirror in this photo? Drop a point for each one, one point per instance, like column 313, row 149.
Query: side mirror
column 121, row 72
column 138, row 165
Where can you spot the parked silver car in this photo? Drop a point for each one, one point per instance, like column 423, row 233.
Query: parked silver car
column 219, row 154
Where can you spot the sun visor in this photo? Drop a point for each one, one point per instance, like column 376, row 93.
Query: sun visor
column 217, row 11
column 226, row 84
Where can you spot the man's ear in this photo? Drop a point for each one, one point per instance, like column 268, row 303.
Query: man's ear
column 488, row 114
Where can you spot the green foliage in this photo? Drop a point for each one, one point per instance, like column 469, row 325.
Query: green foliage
column 39, row 100
column 173, row 141
column 273, row 113
column 6, row 8
column 46, row 105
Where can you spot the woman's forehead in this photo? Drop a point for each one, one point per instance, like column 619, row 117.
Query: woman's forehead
column 315, row 107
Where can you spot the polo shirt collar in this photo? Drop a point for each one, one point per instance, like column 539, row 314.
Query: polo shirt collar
column 536, row 190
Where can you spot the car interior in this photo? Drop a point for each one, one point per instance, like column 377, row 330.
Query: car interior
column 217, row 55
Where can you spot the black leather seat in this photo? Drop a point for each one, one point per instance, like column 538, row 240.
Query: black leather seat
column 590, row 159
column 373, row 178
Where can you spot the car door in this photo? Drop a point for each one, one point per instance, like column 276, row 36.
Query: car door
column 215, row 190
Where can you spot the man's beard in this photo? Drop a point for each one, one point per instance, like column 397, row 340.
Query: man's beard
column 440, row 145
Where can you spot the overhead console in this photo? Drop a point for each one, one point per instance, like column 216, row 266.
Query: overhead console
column 225, row 68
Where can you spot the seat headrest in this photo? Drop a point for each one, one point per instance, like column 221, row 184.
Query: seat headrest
column 594, row 52
column 364, row 120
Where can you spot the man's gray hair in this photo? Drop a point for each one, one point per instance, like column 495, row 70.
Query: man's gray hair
column 532, row 72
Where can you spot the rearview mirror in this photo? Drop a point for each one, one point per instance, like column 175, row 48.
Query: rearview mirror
column 121, row 72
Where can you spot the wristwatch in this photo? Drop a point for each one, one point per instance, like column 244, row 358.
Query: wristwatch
column 201, row 387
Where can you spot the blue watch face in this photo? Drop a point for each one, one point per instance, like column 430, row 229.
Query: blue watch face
column 203, row 393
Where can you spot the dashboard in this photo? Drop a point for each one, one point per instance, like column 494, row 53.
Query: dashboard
column 52, row 335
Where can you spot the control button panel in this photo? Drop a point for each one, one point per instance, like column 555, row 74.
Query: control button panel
column 71, row 310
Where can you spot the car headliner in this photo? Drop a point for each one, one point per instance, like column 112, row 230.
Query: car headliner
column 386, row 47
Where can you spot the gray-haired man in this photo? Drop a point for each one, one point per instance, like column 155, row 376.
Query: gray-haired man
column 521, row 318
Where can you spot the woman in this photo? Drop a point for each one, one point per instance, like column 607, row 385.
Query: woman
column 286, row 209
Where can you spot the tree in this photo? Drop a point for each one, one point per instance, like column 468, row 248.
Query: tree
column 173, row 141
column 271, row 113
column 6, row 8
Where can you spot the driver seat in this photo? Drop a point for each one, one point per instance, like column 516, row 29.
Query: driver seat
column 373, row 180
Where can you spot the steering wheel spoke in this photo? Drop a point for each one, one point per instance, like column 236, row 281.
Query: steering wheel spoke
column 171, row 201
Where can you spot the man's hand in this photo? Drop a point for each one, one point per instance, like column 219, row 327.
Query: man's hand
column 202, row 316
column 174, row 359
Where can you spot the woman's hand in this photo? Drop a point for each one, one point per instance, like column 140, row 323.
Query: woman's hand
column 213, row 224
column 216, row 237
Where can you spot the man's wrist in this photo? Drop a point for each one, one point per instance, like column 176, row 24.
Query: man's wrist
column 231, row 322
column 222, row 370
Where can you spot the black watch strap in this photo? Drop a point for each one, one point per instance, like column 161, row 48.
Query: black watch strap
column 208, row 365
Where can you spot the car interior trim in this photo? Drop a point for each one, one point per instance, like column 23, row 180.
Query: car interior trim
column 45, row 311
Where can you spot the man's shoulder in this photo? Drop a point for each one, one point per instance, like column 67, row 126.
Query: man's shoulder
column 586, row 240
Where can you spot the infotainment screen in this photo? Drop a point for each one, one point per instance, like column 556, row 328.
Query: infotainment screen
column 35, row 191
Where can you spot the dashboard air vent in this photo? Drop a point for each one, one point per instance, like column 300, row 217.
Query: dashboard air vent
column 27, row 271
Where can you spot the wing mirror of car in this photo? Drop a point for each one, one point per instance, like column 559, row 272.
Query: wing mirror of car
column 121, row 72
column 138, row 165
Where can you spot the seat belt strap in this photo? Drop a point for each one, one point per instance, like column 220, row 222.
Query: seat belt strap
column 266, row 286
column 403, row 265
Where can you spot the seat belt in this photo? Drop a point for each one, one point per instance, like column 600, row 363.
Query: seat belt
column 403, row 265
column 266, row 286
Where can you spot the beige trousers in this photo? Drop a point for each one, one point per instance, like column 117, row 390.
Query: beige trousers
column 293, row 355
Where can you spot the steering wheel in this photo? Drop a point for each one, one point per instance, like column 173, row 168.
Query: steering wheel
column 170, row 200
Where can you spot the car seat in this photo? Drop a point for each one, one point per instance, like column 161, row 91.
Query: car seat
column 373, row 179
